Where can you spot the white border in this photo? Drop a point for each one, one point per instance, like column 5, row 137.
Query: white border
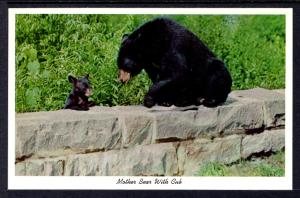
column 190, row 183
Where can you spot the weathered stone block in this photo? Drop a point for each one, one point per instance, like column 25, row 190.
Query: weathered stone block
column 20, row 169
column 26, row 138
column 156, row 159
column 267, row 141
column 257, row 94
column 282, row 91
column 67, row 129
column 137, row 161
column 41, row 167
column 53, row 135
column 273, row 101
column 193, row 154
column 82, row 164
column 227, row 119
column 101, row 133
column 274, row 112
column 138, row 129
column 239, row 118
column 176, row 125
column 35, row 167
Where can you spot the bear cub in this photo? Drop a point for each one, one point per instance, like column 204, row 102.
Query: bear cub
column 183, row 70
column 78, row 98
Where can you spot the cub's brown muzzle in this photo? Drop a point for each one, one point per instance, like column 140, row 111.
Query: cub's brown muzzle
column 124, row 76
column 88, row 92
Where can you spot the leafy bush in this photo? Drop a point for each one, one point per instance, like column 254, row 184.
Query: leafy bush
column 49, row 47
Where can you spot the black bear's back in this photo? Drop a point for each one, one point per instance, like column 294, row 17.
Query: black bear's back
column 161, row 34
column 155, row 37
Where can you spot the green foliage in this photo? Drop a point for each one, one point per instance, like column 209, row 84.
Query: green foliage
column 49, row 47
column 272, row 166
column 213, row 169
column 253, row 47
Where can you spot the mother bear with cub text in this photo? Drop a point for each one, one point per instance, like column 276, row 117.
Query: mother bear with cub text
column 182, row 69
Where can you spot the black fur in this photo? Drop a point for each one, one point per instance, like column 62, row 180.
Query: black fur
column 78, row 98
column 183, row 70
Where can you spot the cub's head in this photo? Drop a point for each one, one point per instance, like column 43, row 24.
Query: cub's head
column 81, row 85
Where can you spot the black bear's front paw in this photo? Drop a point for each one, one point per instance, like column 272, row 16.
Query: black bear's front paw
column 165, row 104
column 199, row 101
column 209, row 103
column 149, row 101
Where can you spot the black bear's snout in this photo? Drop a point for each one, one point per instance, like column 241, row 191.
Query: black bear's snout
column 124, row 76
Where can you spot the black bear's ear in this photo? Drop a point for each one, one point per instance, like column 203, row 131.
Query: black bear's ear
column 72, row 79
column 215, row 64
column 87, row 76
column 124, row 37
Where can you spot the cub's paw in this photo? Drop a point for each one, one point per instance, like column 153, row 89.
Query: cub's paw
column 91, row 103
column 149, row 101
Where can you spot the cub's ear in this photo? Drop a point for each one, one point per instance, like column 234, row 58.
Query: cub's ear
column 125, row 37
column 87, row 76
column 72, row 79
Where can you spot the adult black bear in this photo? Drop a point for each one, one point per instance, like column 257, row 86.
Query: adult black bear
column 183, row 70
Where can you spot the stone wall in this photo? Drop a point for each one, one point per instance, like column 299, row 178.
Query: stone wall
column 160, row 141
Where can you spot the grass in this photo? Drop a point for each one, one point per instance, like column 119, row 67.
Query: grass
column 270, row 166
column 49, row 47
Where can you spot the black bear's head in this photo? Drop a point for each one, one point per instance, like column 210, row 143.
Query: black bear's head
column 81, row 86
column 127, row 61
